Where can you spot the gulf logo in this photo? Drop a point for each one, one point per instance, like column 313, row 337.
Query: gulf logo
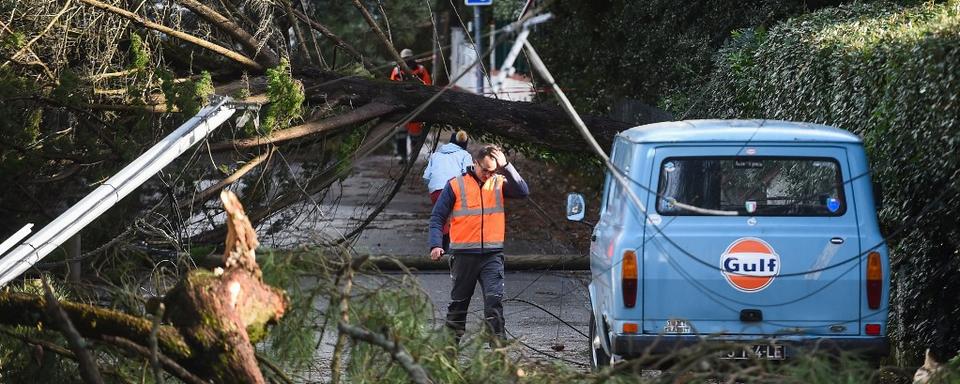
column 749, row 264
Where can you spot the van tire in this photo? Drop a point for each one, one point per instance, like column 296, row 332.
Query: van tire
column 599, row 359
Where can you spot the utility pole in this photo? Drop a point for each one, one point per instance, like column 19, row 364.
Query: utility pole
column 477, row 28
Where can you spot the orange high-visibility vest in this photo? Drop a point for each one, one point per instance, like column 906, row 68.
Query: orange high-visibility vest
column 477, row 220
column 420, row 73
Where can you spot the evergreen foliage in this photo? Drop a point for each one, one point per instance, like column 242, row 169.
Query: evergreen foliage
column 286, row 97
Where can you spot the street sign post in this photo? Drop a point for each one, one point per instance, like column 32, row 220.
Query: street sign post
column 477, row 27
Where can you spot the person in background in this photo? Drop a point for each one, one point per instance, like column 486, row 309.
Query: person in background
column 414, row 129
column 473, row 204
column 449, row 161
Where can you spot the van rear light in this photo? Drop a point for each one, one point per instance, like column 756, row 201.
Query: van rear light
column 631, row 328
column 872, row 329
column 628, row 278
column 874, row 280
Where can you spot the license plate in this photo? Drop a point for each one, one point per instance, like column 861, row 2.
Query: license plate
column 760, row 352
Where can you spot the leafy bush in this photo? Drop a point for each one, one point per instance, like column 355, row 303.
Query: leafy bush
column 890, row 74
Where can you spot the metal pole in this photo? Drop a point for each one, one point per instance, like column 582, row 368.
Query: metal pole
column 51, row 236
column 493, row 51
column 477, row 27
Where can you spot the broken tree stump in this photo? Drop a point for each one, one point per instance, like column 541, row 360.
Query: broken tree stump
column 221, row 313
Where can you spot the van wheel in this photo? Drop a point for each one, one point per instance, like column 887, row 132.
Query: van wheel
column 599, row 359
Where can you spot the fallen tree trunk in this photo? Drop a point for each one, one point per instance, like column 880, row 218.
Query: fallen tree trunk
column 535, row 123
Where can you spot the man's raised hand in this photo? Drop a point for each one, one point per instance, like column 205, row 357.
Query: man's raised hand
column 499, row 157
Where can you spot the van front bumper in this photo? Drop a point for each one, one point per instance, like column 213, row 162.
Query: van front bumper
column 640, row 345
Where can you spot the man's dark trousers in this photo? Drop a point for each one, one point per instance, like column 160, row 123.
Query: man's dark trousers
column 466, row 270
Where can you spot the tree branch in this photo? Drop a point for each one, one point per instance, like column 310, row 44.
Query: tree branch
column 383, row 38
column 85, row 362
column 206, row 194
column 260, row 53
column 366, row 112
column 376, row 137
column 330, row 35
column 90, row 321
column 397, row 351
column 168, row 364
column 137, row 19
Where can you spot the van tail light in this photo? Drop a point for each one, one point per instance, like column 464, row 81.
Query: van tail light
column 874, row 280
column 872, row 329
column 628, row 278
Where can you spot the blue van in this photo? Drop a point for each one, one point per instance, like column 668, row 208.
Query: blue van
column 755, row 233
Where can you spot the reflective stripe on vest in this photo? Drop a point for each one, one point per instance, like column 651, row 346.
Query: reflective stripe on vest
column 477, row 220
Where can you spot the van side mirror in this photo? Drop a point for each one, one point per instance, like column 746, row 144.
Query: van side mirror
column 576, row 207
column 877, row 196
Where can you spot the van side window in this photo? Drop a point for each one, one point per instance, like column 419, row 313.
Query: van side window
column 752, row 186
column 621, row 158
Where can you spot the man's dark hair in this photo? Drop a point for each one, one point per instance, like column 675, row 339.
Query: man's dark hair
column 487, row 150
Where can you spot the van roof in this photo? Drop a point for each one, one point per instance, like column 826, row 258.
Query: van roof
column 737, row 131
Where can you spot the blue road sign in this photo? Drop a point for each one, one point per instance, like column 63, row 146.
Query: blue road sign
column 474, row 3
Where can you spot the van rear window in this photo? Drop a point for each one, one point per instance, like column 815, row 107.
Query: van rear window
column 751, row 186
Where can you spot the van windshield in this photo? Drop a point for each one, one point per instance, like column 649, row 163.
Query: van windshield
column 753, row 186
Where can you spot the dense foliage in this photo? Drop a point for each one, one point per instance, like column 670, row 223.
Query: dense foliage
column 889, row 74
column 605, row 51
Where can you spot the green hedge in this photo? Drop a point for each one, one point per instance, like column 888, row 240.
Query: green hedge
column 603, row 51
column 891, row 75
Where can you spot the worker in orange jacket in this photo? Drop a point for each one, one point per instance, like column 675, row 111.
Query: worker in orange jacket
column 414, row 129
column 473, row 204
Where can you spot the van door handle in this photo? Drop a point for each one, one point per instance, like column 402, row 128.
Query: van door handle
column 836, row 240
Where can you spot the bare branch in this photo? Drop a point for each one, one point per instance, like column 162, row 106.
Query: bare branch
column 225, row 52
column 26, row 47
column 46, row 69
column 206, row 194
column 383, row 38
column 297, row 31
column 376, row 137
column 168, row 364
column 330, row 35
column 85, row 362
column 364, row 113
column 254, row 48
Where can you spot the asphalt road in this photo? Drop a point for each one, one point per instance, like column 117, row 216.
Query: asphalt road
column 536, row 335
column 563, row 294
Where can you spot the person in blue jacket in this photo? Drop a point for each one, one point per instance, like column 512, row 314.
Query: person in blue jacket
column 449, row 161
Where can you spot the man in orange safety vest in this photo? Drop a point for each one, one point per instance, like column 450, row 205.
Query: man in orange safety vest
column 473, row 204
